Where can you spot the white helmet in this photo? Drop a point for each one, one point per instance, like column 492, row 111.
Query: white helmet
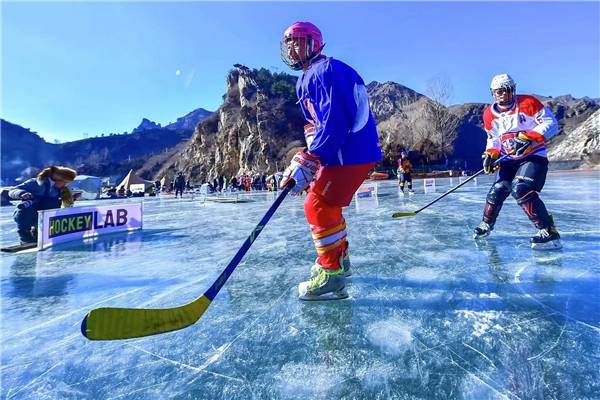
column 503, row 81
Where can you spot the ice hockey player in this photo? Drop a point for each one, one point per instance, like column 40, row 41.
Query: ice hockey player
column 404, row 172
column 342, row 147
column 49, row 190
column 518, row 125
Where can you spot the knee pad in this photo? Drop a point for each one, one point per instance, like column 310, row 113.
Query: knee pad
column 523, row 192
column 498, row 193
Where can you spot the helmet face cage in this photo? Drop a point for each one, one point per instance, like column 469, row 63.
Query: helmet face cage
column 294, row 63
column 309, row 43
column 503, row 84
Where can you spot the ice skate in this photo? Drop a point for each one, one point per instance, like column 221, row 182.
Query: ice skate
column 484, row 229
column 27, row 237
column 546, row 239
column 326, row 285
column 344, row 262
column 410, row 191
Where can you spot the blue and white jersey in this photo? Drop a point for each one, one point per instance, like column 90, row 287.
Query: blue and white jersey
column 334, row 99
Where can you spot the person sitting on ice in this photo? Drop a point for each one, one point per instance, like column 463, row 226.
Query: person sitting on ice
column 518, row 126
column 342, row 147
column 47, row 191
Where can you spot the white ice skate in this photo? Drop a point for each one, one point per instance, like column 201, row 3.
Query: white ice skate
column 326, row 285
column 344, row 262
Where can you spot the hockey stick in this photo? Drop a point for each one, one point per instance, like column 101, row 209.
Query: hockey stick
column 109, row 323
column 401, row 214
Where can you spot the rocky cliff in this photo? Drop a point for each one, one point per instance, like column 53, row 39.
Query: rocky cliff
column 253, row 131
column 580, row 147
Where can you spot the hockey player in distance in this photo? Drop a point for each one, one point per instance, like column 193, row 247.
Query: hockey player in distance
column 342, row 147
column 518, row 125
column 404, row 172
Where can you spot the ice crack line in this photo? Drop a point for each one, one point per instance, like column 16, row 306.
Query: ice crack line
column 8, row 395
column 77, row 311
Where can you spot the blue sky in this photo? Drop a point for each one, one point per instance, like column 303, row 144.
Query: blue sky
column 75, row 68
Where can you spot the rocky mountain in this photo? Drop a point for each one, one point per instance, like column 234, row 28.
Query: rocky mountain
column 190, row 120
column 253, row 131
column 471, row 138
column 580, row 147
column 390, row 98
column 24, row 151
column 259, row 126
column 146, row 124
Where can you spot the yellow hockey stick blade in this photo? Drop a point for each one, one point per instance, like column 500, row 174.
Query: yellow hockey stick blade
column 401, row 214
column 125, row 323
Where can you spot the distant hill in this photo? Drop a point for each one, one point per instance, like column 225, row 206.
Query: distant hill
column 146, row 124
column 23, row 150
column 190, row 120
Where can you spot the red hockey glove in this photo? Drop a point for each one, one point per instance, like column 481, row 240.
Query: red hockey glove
column 489, row 157
column 301, row 171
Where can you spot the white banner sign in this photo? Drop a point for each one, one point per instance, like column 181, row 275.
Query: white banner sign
column 366, row 196
column 67, row 224
column 137, row 187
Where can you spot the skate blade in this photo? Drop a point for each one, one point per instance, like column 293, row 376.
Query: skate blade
column 480, row 237
column 552, row 245
column 338, row 295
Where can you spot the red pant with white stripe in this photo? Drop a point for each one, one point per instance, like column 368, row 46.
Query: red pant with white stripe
column 331, row 190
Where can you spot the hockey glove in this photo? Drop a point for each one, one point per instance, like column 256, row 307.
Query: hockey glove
column 524, row 141
column 489, row 157
column 522, row 144
column 300, row 172
column 309, row 133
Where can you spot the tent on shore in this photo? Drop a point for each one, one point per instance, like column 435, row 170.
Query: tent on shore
column 132, row 179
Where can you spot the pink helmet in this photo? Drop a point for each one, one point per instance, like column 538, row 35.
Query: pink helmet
column 313, row 39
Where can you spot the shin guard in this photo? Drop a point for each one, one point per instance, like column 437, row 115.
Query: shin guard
column 535, row 209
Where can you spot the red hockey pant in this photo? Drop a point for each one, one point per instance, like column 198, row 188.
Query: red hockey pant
column 331, row 190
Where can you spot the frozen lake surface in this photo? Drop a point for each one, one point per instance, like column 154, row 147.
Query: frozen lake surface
column 431, row 315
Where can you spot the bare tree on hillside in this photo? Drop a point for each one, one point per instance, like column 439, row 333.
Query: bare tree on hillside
column 432, row 126
column 395, row 134
column 440, row 121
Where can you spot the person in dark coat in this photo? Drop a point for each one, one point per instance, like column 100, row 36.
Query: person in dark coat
column 179, row 184
column 47, row 191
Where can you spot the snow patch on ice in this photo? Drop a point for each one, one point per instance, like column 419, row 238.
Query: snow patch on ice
column 392, row 336
column 421, row 274
column 298, row 380
column 488, row 296
column 482, row 321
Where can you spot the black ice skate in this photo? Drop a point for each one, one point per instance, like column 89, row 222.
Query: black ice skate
column 547, row 238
